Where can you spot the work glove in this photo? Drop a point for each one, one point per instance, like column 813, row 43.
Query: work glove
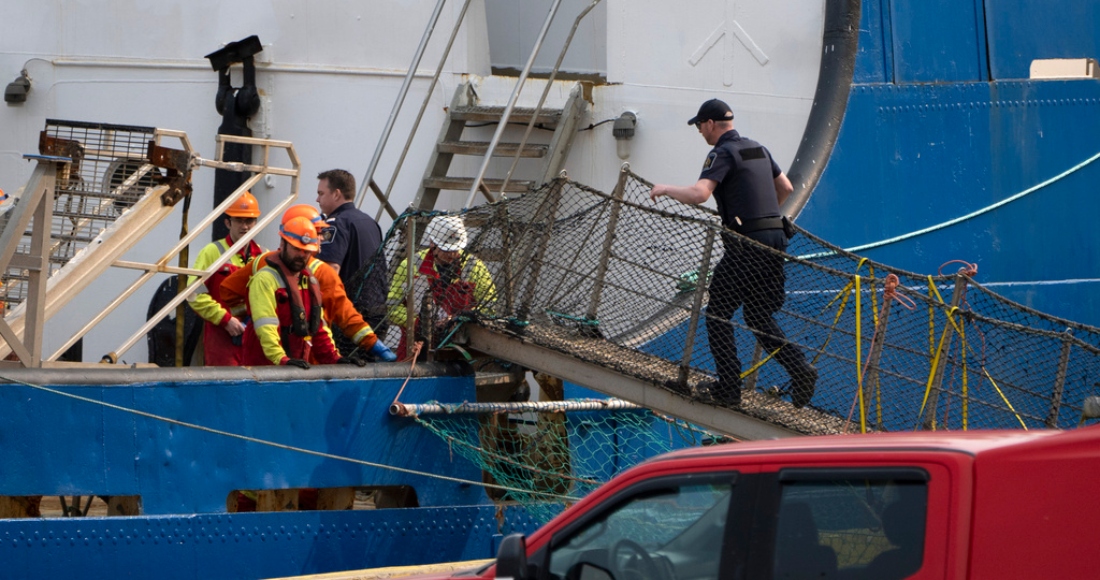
column 296, row 362
column 351, row 360
column 381, row 352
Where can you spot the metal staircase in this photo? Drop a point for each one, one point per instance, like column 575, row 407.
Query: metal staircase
column 466, row 111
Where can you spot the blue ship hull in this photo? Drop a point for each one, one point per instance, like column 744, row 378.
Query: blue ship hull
column 942, row 122
column 931, row 118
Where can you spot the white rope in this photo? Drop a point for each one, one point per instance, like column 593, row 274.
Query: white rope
column 288, row 447
column 963, row 218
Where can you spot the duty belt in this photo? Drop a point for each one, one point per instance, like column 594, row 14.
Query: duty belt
column 755, row 225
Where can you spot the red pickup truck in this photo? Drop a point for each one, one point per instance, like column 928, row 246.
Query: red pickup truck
column 979, row 504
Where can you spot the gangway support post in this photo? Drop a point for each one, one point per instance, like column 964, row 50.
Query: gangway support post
column 1060, row 380
column 37, row 202
column 608, row 242
column 696, row 310
column 875, row 356
column 556, row 187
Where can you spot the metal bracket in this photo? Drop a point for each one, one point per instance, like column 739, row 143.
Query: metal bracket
column 177, row 164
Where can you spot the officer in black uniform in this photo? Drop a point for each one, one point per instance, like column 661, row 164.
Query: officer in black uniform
column 748, row 187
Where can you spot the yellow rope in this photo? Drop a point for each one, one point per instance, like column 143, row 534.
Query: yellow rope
column 845, row 294
column 932, row 370
column 753, row 368
column 1004, row 398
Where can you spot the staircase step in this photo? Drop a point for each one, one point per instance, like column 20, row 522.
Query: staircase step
column 464, row 183
column 532, row 150
column 491, row 114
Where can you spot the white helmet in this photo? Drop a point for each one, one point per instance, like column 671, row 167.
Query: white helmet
column 447, row 232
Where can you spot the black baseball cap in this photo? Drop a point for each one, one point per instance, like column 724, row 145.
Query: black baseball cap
column 713, row 109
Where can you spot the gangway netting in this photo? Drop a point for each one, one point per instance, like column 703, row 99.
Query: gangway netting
column 895, row 350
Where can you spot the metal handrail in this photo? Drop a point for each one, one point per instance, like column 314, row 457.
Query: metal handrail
column 424, row 105
column 545, row 92
column 365, row 185
column 477, row 185
column 511, row 104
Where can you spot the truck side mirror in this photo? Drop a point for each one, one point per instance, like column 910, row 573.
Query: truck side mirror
column 512, row 558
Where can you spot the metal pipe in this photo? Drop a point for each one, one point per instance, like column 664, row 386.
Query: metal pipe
column 545, row 92
column 164, row 269
column 511, row 103
column 424, row 105
column 410, row 410
column 364, row 186
column 204, row 66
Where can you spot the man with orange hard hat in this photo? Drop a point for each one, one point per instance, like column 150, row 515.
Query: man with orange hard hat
column 284, row 301
column 222, row 330
column 339, row 311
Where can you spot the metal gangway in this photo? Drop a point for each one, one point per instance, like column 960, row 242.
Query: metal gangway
column 610, row 292
column 97, row 191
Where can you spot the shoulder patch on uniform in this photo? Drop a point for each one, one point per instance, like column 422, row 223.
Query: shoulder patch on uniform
column 710, row 159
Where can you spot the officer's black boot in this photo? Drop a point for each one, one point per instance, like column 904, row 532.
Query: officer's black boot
column 803, row 384
column 722, row 393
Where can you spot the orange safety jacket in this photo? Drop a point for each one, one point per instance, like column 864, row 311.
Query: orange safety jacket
column 338, row 308
column 276, row 333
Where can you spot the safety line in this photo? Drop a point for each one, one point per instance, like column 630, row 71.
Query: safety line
column 286, row 447
column 978, row 212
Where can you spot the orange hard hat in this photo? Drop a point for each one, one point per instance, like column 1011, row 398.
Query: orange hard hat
column 307, row 211
column 324, row 229
column 246, row 206
column 300, row 233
